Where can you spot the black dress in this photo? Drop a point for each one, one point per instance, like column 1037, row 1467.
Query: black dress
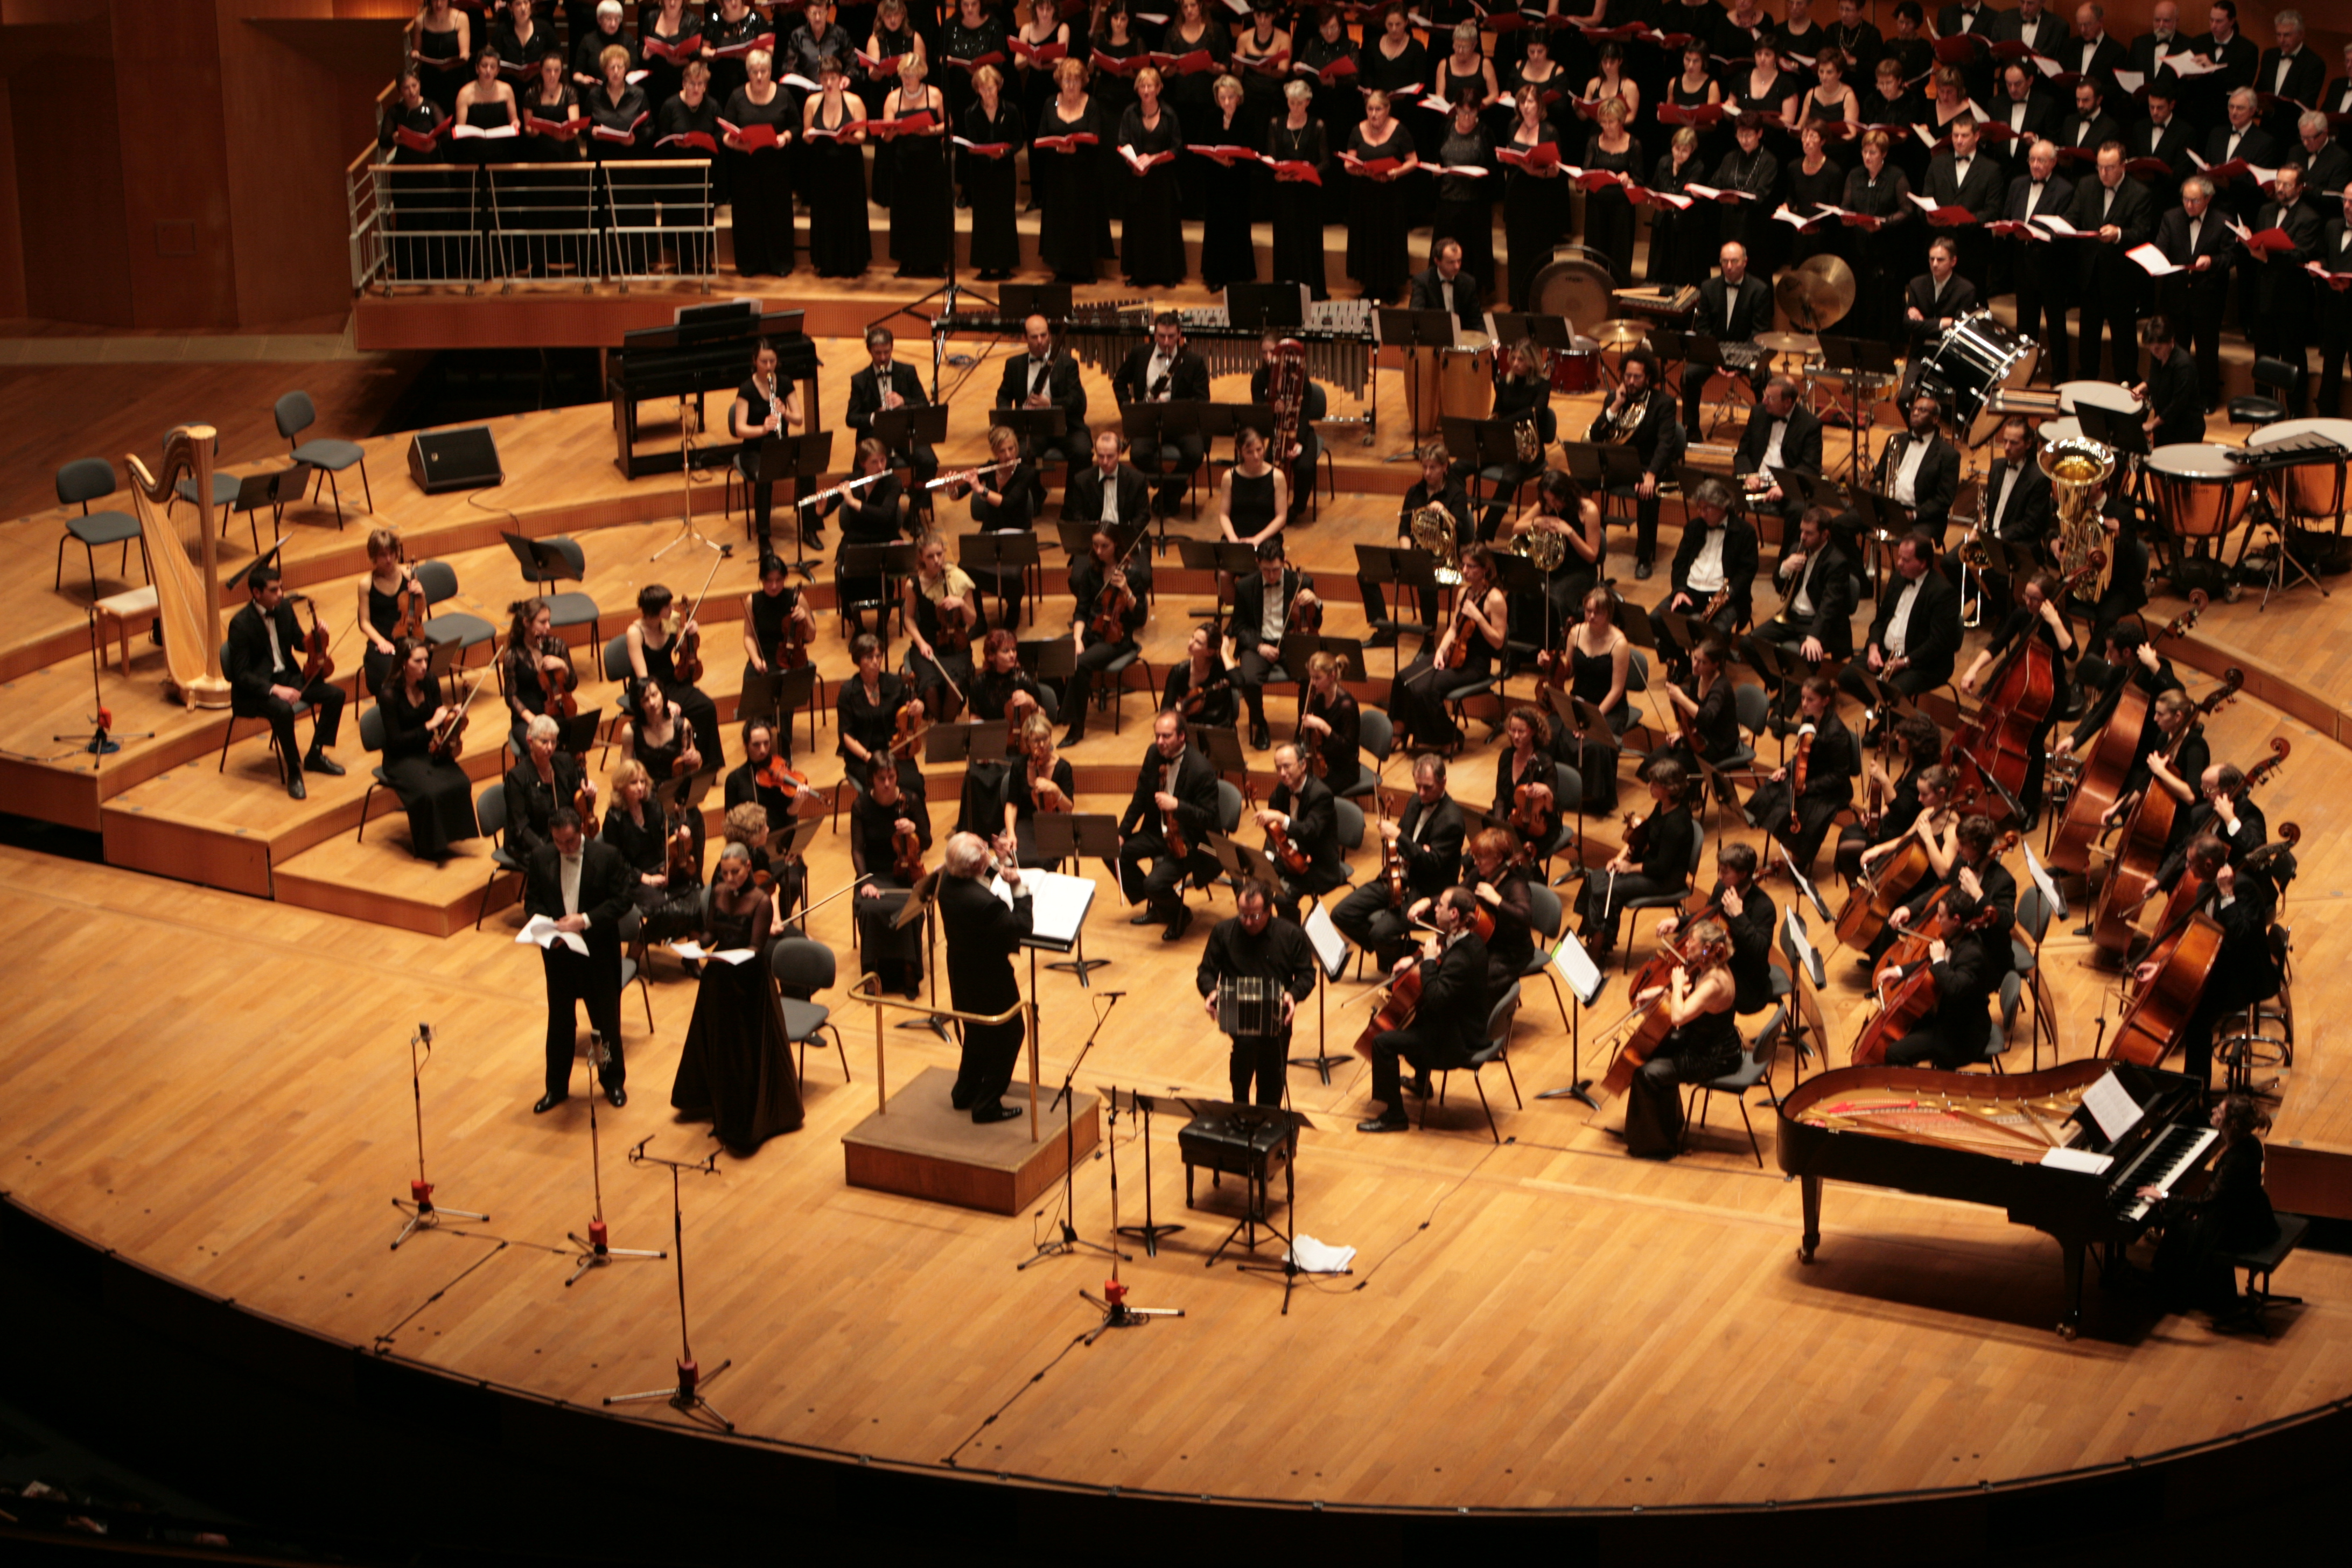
column 1377, row 258
column 1466, row 205
column 1589, row 677
column 1228, row 255
column 990, row 184
column 1151, row 249
column 735, row 1066
column 1252, row 505
column 439, row 83
column 1681, row 241
column 383, row 614
column 1808, row 193
column 1609, row 212
column 1074, row 229
column 699, row 710
column 1700, row 1051
column 549, row 149
column 762, row 186
column 435, row 790
column 1023, row 801
column 868, row 721
column 920, row 221
column 839, row 242
column 892, row 952
column 1298, row 207
column 1535, row 215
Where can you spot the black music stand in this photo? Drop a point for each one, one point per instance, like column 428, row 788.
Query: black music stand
column 1065, row 835
column 1153, row 424
column 1265, row 307
column 1585, row 982
column 1244, row 1141
column 1051, row 301
column 890, row 562
column 778, row 693
column 1398, row 567
column 274, row 491
column 1411, row 331
column 1549, row 332
column 541, row 560
column 1013, row 548
column 945, row 745
column 1150, row 1231
column 1853, row 360
column 900, row 430
column 791, row 461
column 1035, row 426
column 1297, row 647
column 1203, row 555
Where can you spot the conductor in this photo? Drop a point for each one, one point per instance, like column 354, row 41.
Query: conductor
column 983, row 934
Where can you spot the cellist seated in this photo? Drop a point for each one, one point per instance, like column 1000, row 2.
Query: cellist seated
column 1449, row 1023
column 2039, row 616
column 1749, row 919
column 1963, row 969
column 1977, row 872
column 2242, row 972
column 1701, row 1042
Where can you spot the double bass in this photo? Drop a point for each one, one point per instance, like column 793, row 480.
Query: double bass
column 1995, row 749
column 2101, row 786
column 2139, row 847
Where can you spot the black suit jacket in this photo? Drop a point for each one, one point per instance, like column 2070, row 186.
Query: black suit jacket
column 1658, row 438
column 1751, row 315
column 1063, row 385
column 1432, row 293
column 2107, row 57
column 606, row 884
column 2240, row 195
column 1314, row 828
column 1932, row 638
column 1959, row 299
column 1432, row 865
column 2109, row 267
column 983, row 937
column 2045, row 34
column 2172, row 392
column 2086, row 135
column 2171, row 144
column 1453, row 999
column 2213, row 239
column 2040, row 125
column 1195, row 793
column 2325, row 175
column 1082, row 498
column 1249, row 603
column 2024, row 504
column 2306, row 76
column 1800, row 444
column 1935, row 485
column 1980, row 192
column 865, row 393
column 529, row 803
column 1833, row 593
column 1739, row 557
column 1188, row 377
column 246, row 662
column 2057, row 191
column 2281, row 283
column 2237, row 59
column 2140, row 56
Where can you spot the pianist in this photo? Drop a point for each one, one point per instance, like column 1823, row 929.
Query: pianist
column 2234, row 1214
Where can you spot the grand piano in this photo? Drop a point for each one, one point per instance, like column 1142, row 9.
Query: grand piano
column 707, row 349
column 2063, row 1151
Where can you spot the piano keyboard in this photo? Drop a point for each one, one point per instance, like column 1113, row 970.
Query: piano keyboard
column 2178, row 1148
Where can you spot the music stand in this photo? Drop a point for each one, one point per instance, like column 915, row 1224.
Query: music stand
column 1853, row 360
column 918, row 902
column 1016, row 549
column 1263, row 307
column 901, row 430
column 771, row 694
column 1221, row 744
column 1414, row 332
column 1065, row 836
column 1152, row 425
column 1208, row 556
column 1051, row 301
column 1297, row 647
column 1517, row 576
column 1149, row 1232
column 1330, row 950
column 892, row 564
column 791, row 460
column 1240, row 1140
column 1035, row 425
column 1550, row 332
column 984, row 740
column 1572, row 964
column 1048, row 658
column 1400, row 567
column 544, row 562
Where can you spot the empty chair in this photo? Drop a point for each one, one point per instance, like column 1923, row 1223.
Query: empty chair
column 80, row 482
column 225, row 485
column 803, row 967
column 468, row 631
column 565, row 609
column 295, row 413
column 490, row 812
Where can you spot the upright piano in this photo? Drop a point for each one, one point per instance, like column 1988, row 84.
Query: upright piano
column 707, row 349
column 2063, row 1151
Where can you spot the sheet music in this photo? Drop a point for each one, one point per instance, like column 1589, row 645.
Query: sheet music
column 1330, row 947
column 2051, row 896
column 1058, row 903
column 1575, row 966
column 1804, row 886
column 540, row 931
column 692, row 950
column 2112, row 1107
column 2079, row 1159
column 1794, row 921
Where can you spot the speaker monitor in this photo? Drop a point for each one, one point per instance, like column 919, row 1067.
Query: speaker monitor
column 464, row 459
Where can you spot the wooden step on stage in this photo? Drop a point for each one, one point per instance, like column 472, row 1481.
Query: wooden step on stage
column 923, row 1147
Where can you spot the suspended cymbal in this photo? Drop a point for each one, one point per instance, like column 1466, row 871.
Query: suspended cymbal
column 1788, row 342
column 1816, row 295
column 1621, row 334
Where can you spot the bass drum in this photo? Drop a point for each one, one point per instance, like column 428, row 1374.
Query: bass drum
column 1975, row 358
column 1576, row 286
column 1576, row 368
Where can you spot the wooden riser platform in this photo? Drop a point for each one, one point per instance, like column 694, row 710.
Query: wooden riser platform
column 922, row 1147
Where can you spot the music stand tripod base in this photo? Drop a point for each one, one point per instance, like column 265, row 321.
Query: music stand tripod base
column 685, row 1398
column 423, row 1214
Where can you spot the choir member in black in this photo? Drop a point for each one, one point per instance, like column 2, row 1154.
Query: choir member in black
column 542, row 781
column 1296, row 137
column 687, row 127
column 1815, row 181
column 1855, row 37
column 432, row 787
column 535, row 669
column 1609, row 212
column 760, row 178
column 1152, row 247
column 1378, row 257
column 1199, row 686
column 1256, row 943
column 874, row 513
column 440, row 48
column 1267, row 608
column 1298, row 463
column 728, row 35
column 1449, row 1027
column 1967, row 966
column 487, row 104
column 670, row 25
column 775, row 618
column 1661, row 865
column 1915, row 636
column 1881, row 194
column 867, row 714
column 263, row 661
column 983, row 934
column 736, row 1065
column 1303, row 806
column 1465, row 212
column 1641, row 414
column 1968, row 177
column 1189, row 94
column 1917, row 806
column 1747, row 917
column 2040, row 191
column 1464, row 656
column 583, row 884
column 1395, row 61
column 884, row 385
column 1109, row 607
column 805, row 50
column 1036, row 45
column 1331, row 721
column 1228, row 253
column 382, row 594
column 1427, row 839
column 1715, row 561
column 589, row 44
column 1536, row 66
column 2232, row 1215
column 1041, row 781
column 892, row 36
column 1814, row 624
column 1733, row 307
column 414, row 116
column 1522, row 394
column 1047, row 377
column 2038, row 613
column 669, row 898
column 1436, row 487
column 1073, row 222
column 1164, row 371
column 652, row 649
column 942, row 612
column 1749, row 167
column 1599, row 665
column 920, row 216
column 1799, row 819
column 990, row 178
column 1564, row 512
column 967, row 41
column 1006, row 496
column 2107, row 281
column 1534, row 199
column 1175, row 787
column 1261, row 60
column 1116, row 50
column 1680, row 240
column 889, row 829
column 2334, row 306
column 1466, row 74
column 834, row 153
column 548, row 98
column 1337, row 102
column 621, row 118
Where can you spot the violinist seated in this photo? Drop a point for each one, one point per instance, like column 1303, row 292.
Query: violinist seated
column 1799, row 802
column 1111, row 603
column 1304, row 811
column 766, row 781
column 1199, row 686
column 2243, row 973
column 542, row 781
column 1701, row 705
column 1255, row 944
column 1331, row 721
column 777, row 627
column 1002, row 688
column 888, row 834
column 1504, row 915
column 2016, row 501
column 1976, row 871
column 264, row 666
column 2232, row 1216
column 874, row 513
column 1717, row 559
column 1815, row 580
column 1918, row 810
column 1526, row 762
column 1306, row 446
column 2127, row 658
column 2224, row 811
column 1449, row 1021
column 1042, row 782
column 1965, row 965
column 660, row 856
column 656, row 732
column 1746, row 914
column 392, row 606
column 868, row 714
column 1464, row 656
column 1267, row 607
column 1781, row 434
column 1426, row 839
column 943, row 619
column 1656, row 861
column 1702, row 1044
column 535, row 669
column 1175, row 787
column 1915, row 636
column 659, row 642
column 2037, row 615
column 432, row 786
column 1436, row 487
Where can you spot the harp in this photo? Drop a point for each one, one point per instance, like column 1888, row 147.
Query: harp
column 187, row 597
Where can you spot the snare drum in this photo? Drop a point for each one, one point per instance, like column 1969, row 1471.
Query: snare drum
column 2199, row 492
column 1576, row 368
column 1977, row 357
column 2309, row 490
column 1466, row 378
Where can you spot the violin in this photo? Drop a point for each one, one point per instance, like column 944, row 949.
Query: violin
column 1534, row 817
column 1637, row 836
column 1903, row 1005
column 1798, row 771
column 1044, row 793
column 1196, row 698
column 1286, row 851
column 807, row 800
column 955, row 629
column 1109, row 605
column 410, row 597
column 908, row 728
column 584, row 800
column 686, row 653
column 1457, row 650
column 556, row 692
column 680, row 858
column 318, row 661
column 907, row 855
column 1660, row 966
column 448, row 738
column 1307, row 612
column 679, row 767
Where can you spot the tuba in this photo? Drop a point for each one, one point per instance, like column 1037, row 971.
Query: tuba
column 2078, row 471
column 1287, row 391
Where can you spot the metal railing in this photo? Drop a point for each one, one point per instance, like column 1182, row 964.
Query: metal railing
column 1026, row 1010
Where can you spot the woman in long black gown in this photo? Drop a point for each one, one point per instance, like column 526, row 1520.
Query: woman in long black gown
column 1228, row 253
column 879, row 818
column 440, row 43
column 922, row 226
column 1298, row 138
column 1609, row 212
column 736, row 1065
column 1535, row 201
column 1074, row 229
column 971, row 36
column 840, row 244
column 1679, row 237
column 1878, row 191
column 1192, row 95
column 1815, row 182
column 1151, row 249
column 1701, row 1044
column 1377, row 254
column 1599, row 663
column 435, row 790
column 761, row 179
column 990, row 179
column 1337, row 102
column 1466, row 195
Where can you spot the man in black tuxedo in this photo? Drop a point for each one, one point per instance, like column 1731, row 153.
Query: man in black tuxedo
column 1176, row 785
column 2041, row 291
column 1920, row 469
column 2239, row 139
column 2029, row 112
column 2035, row 24
column 2175, row 414
column 1781, row 434
column 263, row 662
column 1445, row 286
column 1450, row 1026
column 1916, row 635
column 2335, row 310
column 1266, row 609
column 1968, row 177
column 584, row 886
column 1640, row 415
column 1967, row 966
column 984, row 936
column 1257, row 944
column 2289, row 70
column 884, row 385
column 1815, row 581
column 1101, row 571
column 2082, row 132
column 1307, row 445
column 2152, row 52
column 1980, row 20
column 1304, row 807
column 2017, row 505
column 2165, row 137
column 2326, row 166
column 1732, row 309
column 1717, row 555
column 1165, row 370
column 2193, row 236
column 1428, row 836
column 2281, row 290
column 1937, row 299
column 1107, row 491
column 2092, row 52
column 2243, row 971
column 2232, row 53
column 2106, row 279
column 1047, row 377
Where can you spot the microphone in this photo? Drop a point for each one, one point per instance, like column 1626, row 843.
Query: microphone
column 1109, row 994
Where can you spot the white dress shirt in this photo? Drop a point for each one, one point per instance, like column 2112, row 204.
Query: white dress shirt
column 1898, row 626
column 568, row 874
column 1906, row 473
column 1707, row 570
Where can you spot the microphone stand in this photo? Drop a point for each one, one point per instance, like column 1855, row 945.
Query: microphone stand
column 1069, row 1241
column 423, row 1214
column 593, row 1250
column 1117, row 1313
column 101, row 741
column 687, row 1397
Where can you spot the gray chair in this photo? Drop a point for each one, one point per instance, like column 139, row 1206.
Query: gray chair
column 568, row 609
column 372, row 739
column 1110, row 685
column 228, row 732
column 1568, row 796
column 1498, row 1038
column 2258, row 1261
column 1546, row 915
column 490, row 816
column 1352, row 824
column 799, row 964
column 439, row 581
column 1376, row 736
column 1753, row 1068
column 1664, row 902
column 2033, row 915
column 80, row 482
column 633, row 968
column 296, row 414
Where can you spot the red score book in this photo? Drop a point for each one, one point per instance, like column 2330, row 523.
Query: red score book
column 1039, row 54
column 1274, row 63
column 685, row 49
column 1705, row 116
column 1597, row 180
column 1948, row 216
column 1638, row 194
column 2085, row 155
column 1336, row 71
column 737, row 51
column 984, row 149
column 699, row 140
column 487, row 133
column 2011, row 228
column 1143, row 164
column 993, row 58
column 2339, row 281
column 2149, row 168
column 1373, row 167
column 2269, row 242
column 847, row 131
column 905, row 125
column 753, row 138
column 1069, row 144
column 1191, row 64
column 1959, row 49
column 422, row 141
column 873, row 66
column 1535, row 159
column 1227, row 154
column 1118, row 65
column 1670, row 40
column 611, row 133
column 553, row 128
column 1624, row 34
column 1869, row 223
column 1295, row 169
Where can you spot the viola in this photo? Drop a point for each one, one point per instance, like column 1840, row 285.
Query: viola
column 448, row 738
column 318, row 659
column 584, row 800
column 410, row 597
column 1307, row 612
column 791, row 652
column 1286, row 851
column 2100, row 786
column 1109, row 606
column 1637, row 836
column 907, row 855
column 907, row 730
column 1457, row 651
column 1196, row 697
column 685, row 653
column 679, row 767
column 955, row 630
column 556, row 691
column 679, row 861
column 1044, row 793
column 1535, row 818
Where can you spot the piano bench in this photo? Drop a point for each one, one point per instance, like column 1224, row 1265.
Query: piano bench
column 2257, row 1262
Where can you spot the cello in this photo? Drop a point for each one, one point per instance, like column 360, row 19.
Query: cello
column 1912, row 996
column 2101, row 786
column 2139, row 847
column 1877, row 896
column 1996, row 747
column 1912, row 945
column 1652, row 1019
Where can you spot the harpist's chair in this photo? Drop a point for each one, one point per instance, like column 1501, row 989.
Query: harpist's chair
column 80, row 482
column 295, row 413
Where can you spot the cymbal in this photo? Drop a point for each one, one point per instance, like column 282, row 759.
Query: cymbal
column 1817, row 294
column 1788, row 342
column 1622, row 333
